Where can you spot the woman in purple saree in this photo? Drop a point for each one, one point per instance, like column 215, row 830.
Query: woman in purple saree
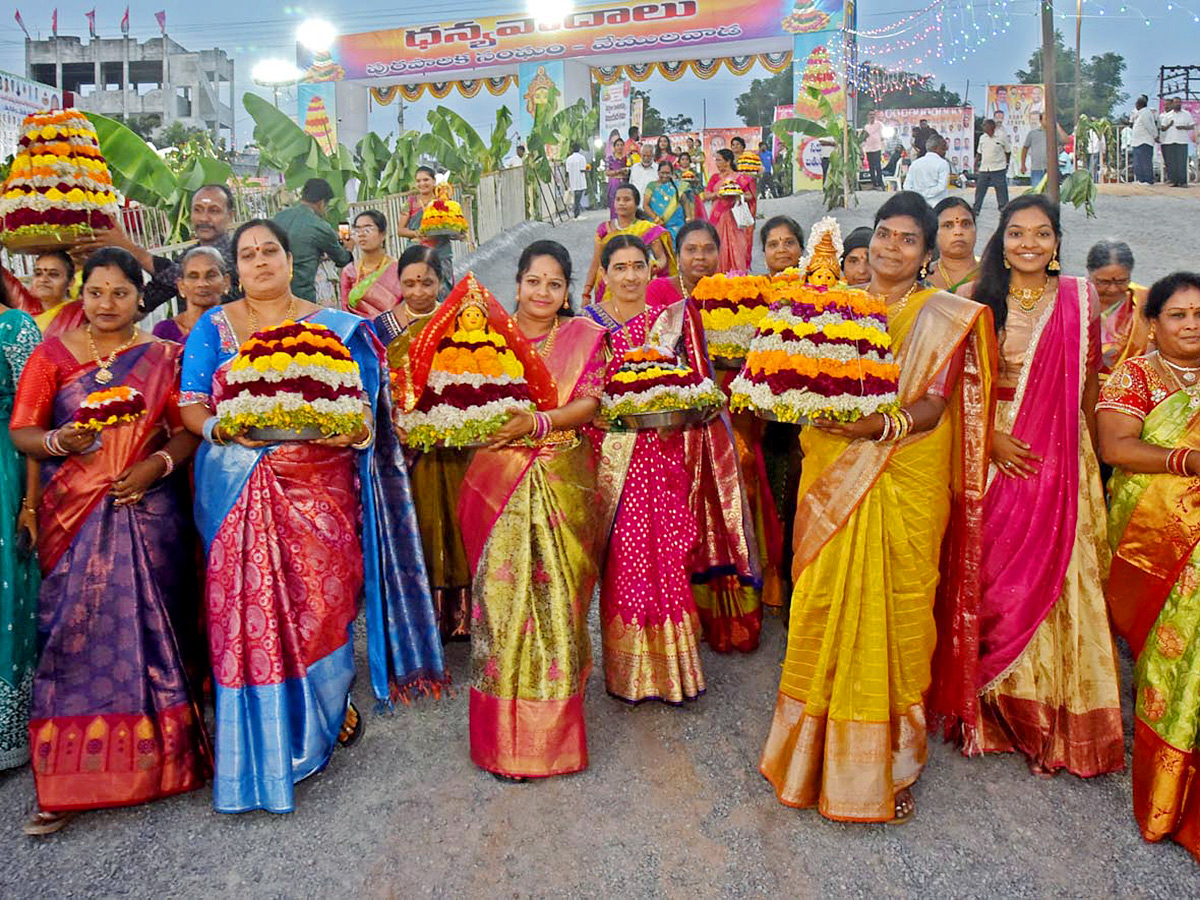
column 1047, row 679
column 114, row 720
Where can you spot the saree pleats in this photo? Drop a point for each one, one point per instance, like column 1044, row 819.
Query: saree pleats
column 284, row 575
column 530, row 652
column 436, row 476
column 849, row 730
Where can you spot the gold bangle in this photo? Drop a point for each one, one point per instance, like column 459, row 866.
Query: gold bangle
column 365, row 442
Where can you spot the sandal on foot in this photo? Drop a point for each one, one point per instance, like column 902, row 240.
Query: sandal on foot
column 510, row 779
column 1037, row 770
column 353, row 727
column 41, row 822
column 906, row 806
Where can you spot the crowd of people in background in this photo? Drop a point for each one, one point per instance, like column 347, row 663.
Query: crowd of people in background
column 950, row 566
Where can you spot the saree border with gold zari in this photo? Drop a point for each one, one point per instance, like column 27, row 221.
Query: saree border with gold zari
column 851, row 767
column 1154, row 598
column 529, row 527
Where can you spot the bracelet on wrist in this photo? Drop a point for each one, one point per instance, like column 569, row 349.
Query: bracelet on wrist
column 209, row 431
column 168, row 462
column 365, row 442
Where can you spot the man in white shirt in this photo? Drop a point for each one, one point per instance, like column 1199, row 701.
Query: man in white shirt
column 644, row 174
column 929, row 175
column 1178, row 130
column 873, row 146
column 1145, row 136
column 577, row 166
column 992, row 169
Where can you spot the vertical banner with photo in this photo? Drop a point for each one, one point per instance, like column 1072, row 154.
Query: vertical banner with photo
column 537, row 82
column 20, row 97
column 714, row 139
column 955, row 123
column 1012, row 107
column 614, row 111
column 818, row 34
column 316, row 112
column 787, row 111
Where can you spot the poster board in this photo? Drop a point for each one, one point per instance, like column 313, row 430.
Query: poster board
column 20, row 97
column 714, row 139
column 817, row 40
column 955, row 123
column 1016, row 104
column 615, row 111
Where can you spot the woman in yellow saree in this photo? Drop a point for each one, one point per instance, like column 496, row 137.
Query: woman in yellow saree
column 849, row 733
column 1148, row 419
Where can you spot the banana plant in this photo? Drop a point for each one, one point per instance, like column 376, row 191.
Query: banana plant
column 142, row 175
column 847, row 155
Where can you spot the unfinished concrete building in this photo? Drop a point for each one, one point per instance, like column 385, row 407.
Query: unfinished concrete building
column 125, row 78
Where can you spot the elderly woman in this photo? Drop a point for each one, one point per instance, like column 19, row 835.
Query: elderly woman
column 1123, row 333
column 203, row 281
column 956, row 264
column 296, row 533
column 1148, row 423
column 115, row 719
column 856, row 256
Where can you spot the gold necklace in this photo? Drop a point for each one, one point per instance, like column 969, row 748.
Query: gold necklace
column 415, row 315
column 946, row 275
column 1027, row 298
column 104, row 376
column 547, row 345
column 363, row 273
column 1191, row 391
column 683, row 291
column 898, row 307
column 252, row 315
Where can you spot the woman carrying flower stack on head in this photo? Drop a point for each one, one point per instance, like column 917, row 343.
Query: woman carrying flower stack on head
column 725, row 567
column 669, row 201
column 1148, row 418
column 528, row 512
column 370, row 284
column 629, row 220
column 297, row 530
column 1047, row 679
column 115, row 719
column 18, row 564
column 876, row 497
column 726, row 188
column 425, row 183
column 203, row 281
column 436, row 473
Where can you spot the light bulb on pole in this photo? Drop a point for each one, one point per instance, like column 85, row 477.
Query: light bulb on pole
column 275, row 73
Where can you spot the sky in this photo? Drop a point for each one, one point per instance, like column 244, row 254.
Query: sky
column 1154, row 33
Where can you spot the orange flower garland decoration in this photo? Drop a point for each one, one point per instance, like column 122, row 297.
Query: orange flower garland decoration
column 110, row 406
column 59, row 186
column 731, row 306
column 465, row 372
column 823, row 349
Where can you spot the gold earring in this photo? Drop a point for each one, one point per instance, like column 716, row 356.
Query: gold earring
column 567, row 302
column 1054, row 266
column 1007, row 264
column 924, row 272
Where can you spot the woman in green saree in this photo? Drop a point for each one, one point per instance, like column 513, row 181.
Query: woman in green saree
column 1148, row 419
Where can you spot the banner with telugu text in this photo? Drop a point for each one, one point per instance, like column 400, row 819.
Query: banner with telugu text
column 452, row 49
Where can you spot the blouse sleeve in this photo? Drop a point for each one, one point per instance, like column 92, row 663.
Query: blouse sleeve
column 200, row 359
column 1127, row 391
column 19, row 341
column 34, row 403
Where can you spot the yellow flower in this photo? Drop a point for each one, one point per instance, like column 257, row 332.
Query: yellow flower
column 280, row 361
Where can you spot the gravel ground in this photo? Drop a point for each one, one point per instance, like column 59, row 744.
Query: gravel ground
column 672, row 804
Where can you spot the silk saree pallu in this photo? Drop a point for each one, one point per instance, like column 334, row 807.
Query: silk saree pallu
column 849, row 727
column 668, row 202
column 1047, row 674
column 1154, row 597
column 530, row 528
column 114, row 719
column 296, row 533
column 437, row 476
column 648, row 618
column 374, row 293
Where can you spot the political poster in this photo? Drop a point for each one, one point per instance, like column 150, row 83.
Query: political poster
column 1012, row 107
column 955, row 123
column 714, row 139
column 615, row 111
column 20, row 97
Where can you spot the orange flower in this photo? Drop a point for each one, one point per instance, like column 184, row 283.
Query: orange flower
column 773, row 361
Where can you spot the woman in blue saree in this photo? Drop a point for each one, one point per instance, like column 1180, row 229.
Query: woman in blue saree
column 288, row 559
column 669, row 200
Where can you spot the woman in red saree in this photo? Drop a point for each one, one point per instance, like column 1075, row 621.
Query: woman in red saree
column 737, row 241
column 114, row 720
column 734, row 568
column 1047, row 678
column 527, row 510
column 1149, row 422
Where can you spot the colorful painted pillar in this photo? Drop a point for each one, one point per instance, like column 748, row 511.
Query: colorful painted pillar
column 816, row 26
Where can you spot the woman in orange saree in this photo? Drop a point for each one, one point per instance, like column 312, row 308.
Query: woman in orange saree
column 527, row 510
column 849, row 734
column 114, row 720
column 1047, row 677
column 1149, row 423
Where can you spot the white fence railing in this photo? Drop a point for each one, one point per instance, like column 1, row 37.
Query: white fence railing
column 500, row 204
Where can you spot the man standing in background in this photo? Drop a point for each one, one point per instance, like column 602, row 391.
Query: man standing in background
column 1145, row 136
column 577, row 166
column 992, row 168
column 312, row 237
column 645, row 173
column 873, row 147
column 929, row 176
column 1178, row 131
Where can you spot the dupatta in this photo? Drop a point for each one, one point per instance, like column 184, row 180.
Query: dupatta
column 494, row 475
column 1031, row 522
column 1162, row 531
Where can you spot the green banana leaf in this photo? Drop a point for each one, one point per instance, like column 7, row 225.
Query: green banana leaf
column 138, row 171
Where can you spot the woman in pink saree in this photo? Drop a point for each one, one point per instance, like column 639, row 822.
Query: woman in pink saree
column 1047, row 679
column 527, row 510
column 737, row 242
